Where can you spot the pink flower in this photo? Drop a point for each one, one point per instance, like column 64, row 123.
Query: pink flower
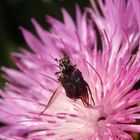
column 105, row 48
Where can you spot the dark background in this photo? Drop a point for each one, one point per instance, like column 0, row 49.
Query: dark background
column 15, row 13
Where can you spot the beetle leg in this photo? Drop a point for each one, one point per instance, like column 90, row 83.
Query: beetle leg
column 56, row 73
column 52, row 99
column 85, row 99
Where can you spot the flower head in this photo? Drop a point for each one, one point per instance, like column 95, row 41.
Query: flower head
column 105, row 49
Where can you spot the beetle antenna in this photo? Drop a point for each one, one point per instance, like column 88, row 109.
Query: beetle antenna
column 65, row 46
column 54, row 58
column 98, row 76
column 90, row 94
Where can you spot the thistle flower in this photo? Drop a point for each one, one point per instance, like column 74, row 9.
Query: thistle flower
column 111, row 71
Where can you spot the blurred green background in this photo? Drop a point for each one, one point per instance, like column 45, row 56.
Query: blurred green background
column 15, row 13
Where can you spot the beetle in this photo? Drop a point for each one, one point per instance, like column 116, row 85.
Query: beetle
column 72, row 81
